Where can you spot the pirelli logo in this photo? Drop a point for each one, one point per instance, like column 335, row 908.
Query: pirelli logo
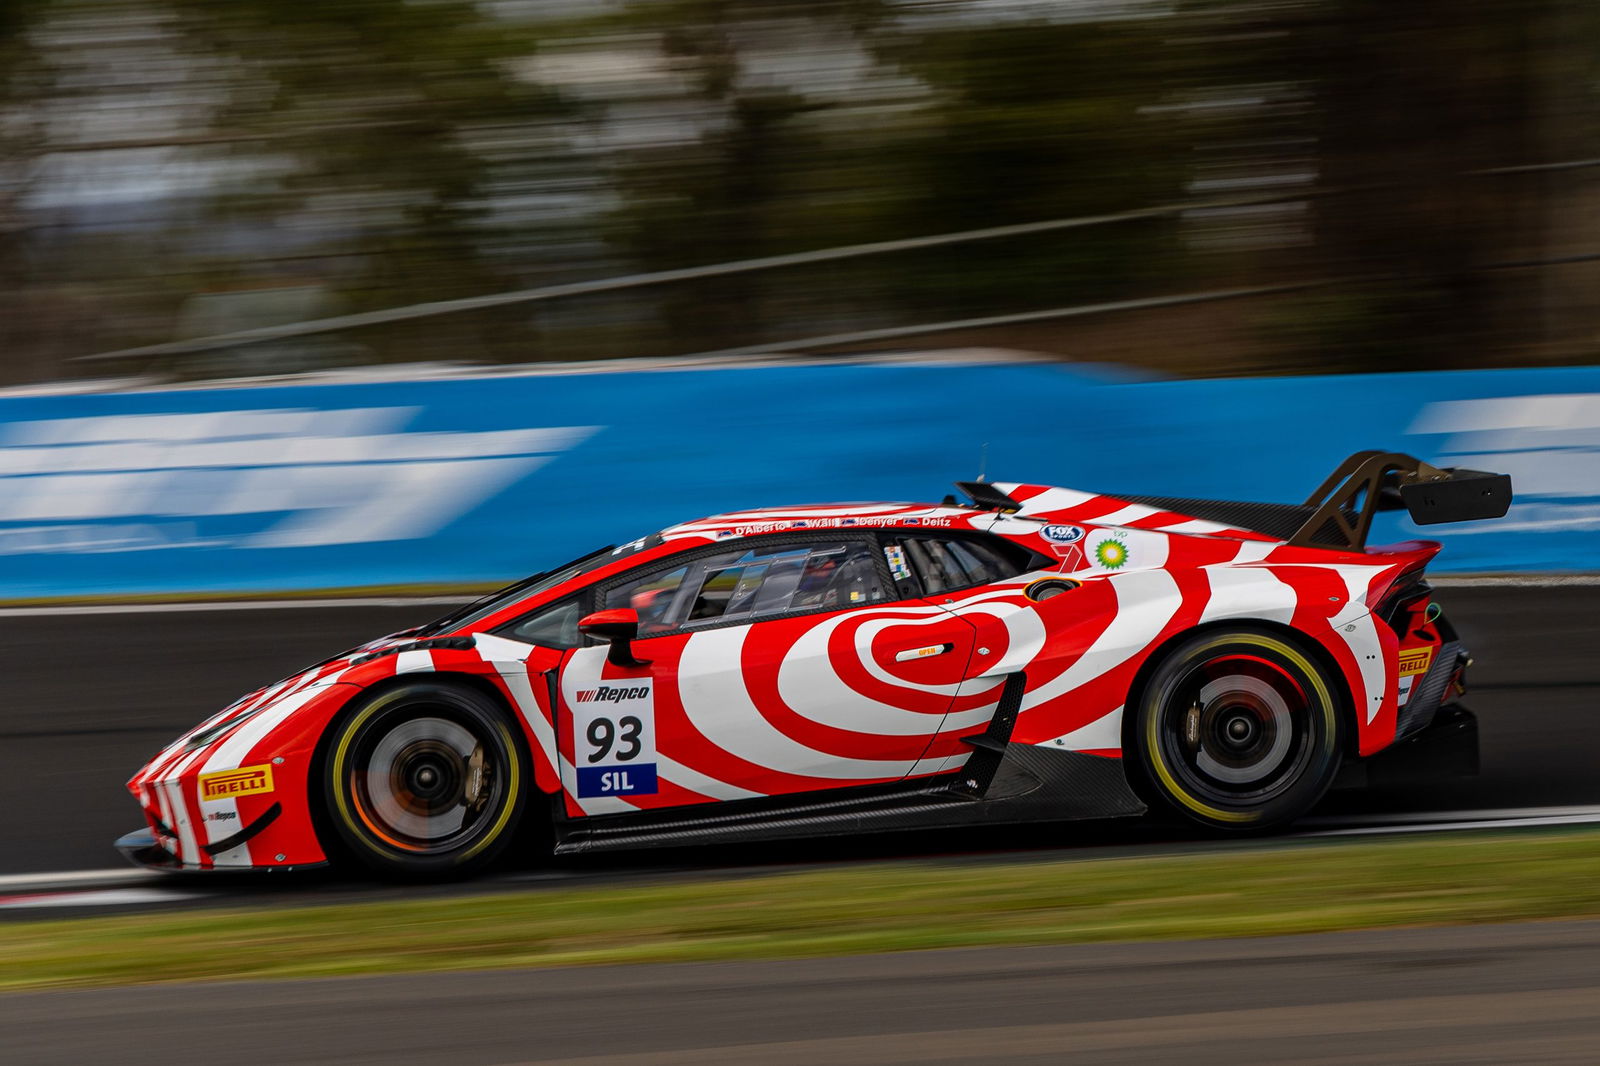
column 245, row 781
column 1415, row 661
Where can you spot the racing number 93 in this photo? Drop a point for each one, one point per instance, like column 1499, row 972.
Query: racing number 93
column 603, row 734
column 615, row 722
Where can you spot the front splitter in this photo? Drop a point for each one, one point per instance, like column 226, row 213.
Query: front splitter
column 141, row 848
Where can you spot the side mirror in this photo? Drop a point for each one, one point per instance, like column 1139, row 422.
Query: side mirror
column 620, row 627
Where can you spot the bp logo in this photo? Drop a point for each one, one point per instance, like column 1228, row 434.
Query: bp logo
column 1111, row 554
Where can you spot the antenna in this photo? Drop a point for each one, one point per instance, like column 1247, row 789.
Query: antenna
column 983, row 462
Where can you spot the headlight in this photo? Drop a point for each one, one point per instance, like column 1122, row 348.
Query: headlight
column 223, row 725
column 207, row 735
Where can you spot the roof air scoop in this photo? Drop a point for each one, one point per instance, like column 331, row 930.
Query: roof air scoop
column 985, row 497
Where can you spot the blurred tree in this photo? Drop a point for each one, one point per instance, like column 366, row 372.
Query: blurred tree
column 371, row 153
column 21, row 142
column 1039, row 120
column 768, row 169
column 1399, row 105
column 383, row 142
column 936, row 127
column 1413, row 98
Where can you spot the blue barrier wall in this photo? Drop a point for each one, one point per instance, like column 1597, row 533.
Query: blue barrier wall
column 480, row 479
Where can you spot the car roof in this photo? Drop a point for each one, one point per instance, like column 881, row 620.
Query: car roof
column 826, row 516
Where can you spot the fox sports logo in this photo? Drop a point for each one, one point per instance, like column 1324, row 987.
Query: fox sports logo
column 1063, row 534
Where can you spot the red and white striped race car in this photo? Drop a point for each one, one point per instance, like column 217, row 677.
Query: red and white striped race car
column 1036, row 654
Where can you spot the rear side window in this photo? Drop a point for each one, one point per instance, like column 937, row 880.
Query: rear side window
column 945, row 564
column 935, row 565
column 981, row 563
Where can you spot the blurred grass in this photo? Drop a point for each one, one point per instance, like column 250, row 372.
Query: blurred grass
column 1301, row 888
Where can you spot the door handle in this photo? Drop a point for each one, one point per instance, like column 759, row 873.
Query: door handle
column 927, row 652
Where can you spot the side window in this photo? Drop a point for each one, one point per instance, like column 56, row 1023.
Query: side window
column 653, row 596
column 553, row 627
column 751, row 583
column 945, row 564
column 837, row 575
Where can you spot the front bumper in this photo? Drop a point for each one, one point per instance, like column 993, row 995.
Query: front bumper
column 142, row 848
column 238, row 797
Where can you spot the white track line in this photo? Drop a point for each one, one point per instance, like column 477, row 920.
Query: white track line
column 1443, row 827
column 115, row 887
column 1448, row 821
column 1451, row 817
column 1529, row 581
column 73, row 879
column 241, row 605
column 1466, row 581
column 98, row 897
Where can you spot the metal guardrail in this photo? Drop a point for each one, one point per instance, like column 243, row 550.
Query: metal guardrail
column 870, row 336
column 663, row 277
column 828, row 255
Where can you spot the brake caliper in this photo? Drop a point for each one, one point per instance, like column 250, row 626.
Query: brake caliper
column 476, row 792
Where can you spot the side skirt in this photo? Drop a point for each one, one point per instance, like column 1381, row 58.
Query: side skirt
column 1027, row 784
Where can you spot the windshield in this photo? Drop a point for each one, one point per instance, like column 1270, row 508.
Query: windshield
column 500, row 599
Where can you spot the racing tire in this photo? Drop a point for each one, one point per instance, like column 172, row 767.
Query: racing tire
column 1237, row 729
column 425, row 780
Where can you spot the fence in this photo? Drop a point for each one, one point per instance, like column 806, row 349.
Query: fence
column 574, row 290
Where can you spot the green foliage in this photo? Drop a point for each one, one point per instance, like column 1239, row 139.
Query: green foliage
column 1039, row 121
column 388, row 152
column 21, row 139
column 378, row 104
column 1402, row 103
column 953, row 127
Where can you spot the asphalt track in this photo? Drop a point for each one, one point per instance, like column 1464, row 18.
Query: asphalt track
column 89, row 696
column 1488, row 994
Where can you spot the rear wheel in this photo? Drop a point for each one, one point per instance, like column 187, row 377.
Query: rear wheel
column 1238, row 729
column 425, row 780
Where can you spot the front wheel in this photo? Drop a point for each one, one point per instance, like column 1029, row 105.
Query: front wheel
column 1238, row 729
column 425, row 780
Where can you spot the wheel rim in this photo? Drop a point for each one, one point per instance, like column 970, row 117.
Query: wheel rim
column 1238, row 730
column 426, row 784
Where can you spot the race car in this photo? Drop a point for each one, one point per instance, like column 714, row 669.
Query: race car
column 1033, row 653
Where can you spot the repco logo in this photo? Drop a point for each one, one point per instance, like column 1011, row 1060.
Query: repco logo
column 604, row 694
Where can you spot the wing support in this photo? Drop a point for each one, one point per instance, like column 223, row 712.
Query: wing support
column 1373, row 481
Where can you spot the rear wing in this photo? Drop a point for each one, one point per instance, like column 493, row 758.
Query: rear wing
column 1369, row 482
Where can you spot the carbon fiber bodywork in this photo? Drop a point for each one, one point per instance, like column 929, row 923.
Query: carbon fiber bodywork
column 1279, row 520
column 1031, row 784
column 1419, row 711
